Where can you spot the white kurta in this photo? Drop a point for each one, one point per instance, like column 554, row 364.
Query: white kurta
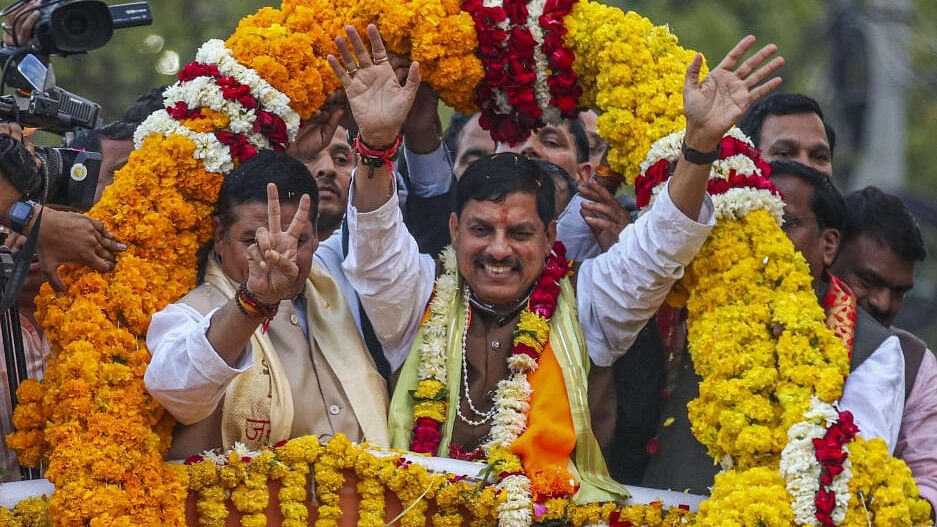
column 874, row 393
column 617, row 292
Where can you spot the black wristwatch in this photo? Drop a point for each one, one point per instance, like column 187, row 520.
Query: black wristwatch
column 20, row 214
column 700, row 158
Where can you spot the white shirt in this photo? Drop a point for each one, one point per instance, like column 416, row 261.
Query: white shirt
column 874, row 393
column 617, row 292
column 190, row 383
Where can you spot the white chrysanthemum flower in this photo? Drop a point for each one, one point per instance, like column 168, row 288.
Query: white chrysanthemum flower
column 735, row 203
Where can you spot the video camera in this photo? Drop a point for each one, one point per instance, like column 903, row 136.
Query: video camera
column 67, row 176
column 67, row 27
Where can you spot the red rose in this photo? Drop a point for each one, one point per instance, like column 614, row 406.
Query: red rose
column 523, row 349
column 232, row 90
column 645, row 183
column 196, row 69
column 560, row 251
column 426, row 436
column 522, row 42
column 273, row 128
column 506, row 131
column 193, row 459
column 181, row 111
column 826, row 500
column 846, row 423
column 829, row 452
column 825, row 519
column 826, row 479
column 517, row 11
column 562, row 58
column 239, row 146
column 614, row 520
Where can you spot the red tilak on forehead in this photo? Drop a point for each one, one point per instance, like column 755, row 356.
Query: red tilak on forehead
column 504, row 216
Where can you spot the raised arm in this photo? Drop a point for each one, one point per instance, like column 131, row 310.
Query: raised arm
column 383, row 264
column 620, row 290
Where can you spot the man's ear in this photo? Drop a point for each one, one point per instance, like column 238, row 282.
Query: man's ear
column 830, row 243
column 453, row 227
column 218, row 230
column 584, row 172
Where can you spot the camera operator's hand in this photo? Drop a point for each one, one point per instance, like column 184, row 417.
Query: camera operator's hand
column 69, row 237
column 18, row 24
column 15, row 131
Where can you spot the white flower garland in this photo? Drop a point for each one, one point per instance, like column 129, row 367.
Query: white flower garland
column 517, row 508
column 215, row 155
column 801, row 470
column 204, row 92
column 270, row 98
column 435, row 332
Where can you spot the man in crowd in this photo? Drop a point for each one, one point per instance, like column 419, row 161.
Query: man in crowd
column 467, row 141
column 219, row 371
column 791, row 126
column 881, row 246
column 814, row 220
column 502, row 231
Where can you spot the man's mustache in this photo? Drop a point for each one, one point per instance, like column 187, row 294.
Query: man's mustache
column 511, row 261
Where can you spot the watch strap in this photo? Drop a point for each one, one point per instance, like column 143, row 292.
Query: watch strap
column 700, row 158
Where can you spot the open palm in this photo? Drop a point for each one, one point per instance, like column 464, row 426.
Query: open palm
column 379, row 103
column 715, row 104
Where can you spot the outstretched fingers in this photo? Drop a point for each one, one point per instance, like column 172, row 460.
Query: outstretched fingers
column 378, row 52
column 361, row 51
column 301, row 218
column 273, row 208
column 731, row 60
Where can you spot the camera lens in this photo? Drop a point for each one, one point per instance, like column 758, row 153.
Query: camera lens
column 80, row 25
column 76, row 25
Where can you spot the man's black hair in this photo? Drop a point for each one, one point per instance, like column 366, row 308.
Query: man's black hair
column 827, row 203
column 578, row 128
column 146, row 104
column 885, row 218
column 248, row 184
column 782, row 104
column 453, row 133
column 494, row 177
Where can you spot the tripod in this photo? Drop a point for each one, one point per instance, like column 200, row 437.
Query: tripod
column 13, row 352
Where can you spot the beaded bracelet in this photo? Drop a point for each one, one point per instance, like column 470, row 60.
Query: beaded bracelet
column 250, row 306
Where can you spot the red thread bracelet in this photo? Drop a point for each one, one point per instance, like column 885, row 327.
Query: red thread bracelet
column 375, row 157
column 250, row 306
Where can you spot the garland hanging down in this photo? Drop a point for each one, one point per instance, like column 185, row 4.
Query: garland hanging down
column 102, row 438
column 770, row 368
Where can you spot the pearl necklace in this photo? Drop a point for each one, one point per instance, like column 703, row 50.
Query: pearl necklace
column 484, row 417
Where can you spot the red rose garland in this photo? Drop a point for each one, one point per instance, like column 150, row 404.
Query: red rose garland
column 563, row 80
column 831, row 454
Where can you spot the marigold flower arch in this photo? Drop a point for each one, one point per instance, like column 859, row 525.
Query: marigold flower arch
column 102, row 437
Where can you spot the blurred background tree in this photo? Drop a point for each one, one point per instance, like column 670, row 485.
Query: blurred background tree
column 841, row 52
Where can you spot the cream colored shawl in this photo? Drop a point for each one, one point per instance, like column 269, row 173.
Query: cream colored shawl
column 258, row 404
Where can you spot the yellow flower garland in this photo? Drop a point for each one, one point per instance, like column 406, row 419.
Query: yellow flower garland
column 883, row 491
column 746, row 280
column 632, row 72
